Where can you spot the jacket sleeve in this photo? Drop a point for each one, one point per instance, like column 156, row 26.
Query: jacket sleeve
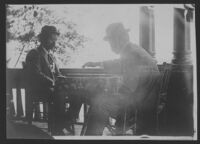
column 57, row 71
column 34, row 66
column 112, row 66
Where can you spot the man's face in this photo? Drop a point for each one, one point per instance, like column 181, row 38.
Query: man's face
column 51, row 41
column 114, row 45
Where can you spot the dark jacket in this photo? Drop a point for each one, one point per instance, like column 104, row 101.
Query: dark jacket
column 39, row 76
column 140, row 76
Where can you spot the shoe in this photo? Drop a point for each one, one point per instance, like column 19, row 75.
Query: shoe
column 58, row 133
column 69, row 128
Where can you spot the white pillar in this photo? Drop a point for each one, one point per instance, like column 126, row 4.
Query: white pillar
column 147, row 29
column 182, row 48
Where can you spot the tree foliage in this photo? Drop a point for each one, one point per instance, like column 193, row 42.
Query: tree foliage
column 24, row 23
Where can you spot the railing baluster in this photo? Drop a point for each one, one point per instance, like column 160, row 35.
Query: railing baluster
column 19, row 103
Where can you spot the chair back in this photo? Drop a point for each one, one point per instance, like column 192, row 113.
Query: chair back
column 162, row 95
column 25, row 73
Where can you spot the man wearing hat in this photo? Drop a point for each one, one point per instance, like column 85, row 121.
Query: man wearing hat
column 138, row 89
column 43, row 73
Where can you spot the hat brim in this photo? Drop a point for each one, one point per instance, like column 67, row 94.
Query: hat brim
column 57, row 33
column 41, row 34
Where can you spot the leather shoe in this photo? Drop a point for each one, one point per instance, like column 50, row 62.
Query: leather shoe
column 58, row 133
column 69, row 128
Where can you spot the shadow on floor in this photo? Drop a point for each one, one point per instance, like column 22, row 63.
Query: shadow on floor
column 24, row 131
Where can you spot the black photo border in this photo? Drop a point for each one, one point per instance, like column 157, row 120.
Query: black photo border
column 3, row 3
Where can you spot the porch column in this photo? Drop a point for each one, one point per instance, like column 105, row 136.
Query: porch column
column 179, row 107
column 147, row 30
column 182, row 48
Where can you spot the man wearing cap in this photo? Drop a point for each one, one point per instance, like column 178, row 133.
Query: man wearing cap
column 138, row 90
column 43, row 73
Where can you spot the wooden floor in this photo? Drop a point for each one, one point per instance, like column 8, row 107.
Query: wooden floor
column 38, row 130
column 21, row 130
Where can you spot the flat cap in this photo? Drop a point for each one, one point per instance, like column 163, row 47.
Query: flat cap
column 49, row 30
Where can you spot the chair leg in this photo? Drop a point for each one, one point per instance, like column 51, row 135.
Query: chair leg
column 29, row 113
column 111, row 129
column 73, row 129
column 86, row 117
column 83, row 130
column 157, row 123
column 135, row 124
column 45, row 111
column 50, row 117
column 124, row 125
column 37, row 113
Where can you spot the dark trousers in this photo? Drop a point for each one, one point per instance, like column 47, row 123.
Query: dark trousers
column 58, row 111
column 33, row 97
column 146, row 122
column 103, row 107
column 65, row 115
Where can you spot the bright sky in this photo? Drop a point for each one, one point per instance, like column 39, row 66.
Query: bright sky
column 92, row 21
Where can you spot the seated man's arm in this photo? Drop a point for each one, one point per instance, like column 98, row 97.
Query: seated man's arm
column 110, row 66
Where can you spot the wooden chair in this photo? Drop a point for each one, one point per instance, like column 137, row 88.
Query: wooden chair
column 33, row 104
column 60, row 87
column 109, row 126
column 161, row 102
column 126, row 127
column 86, row 117
column 162, row 96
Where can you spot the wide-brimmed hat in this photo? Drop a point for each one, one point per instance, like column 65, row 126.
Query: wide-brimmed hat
column 47, row 30
column 115, row 29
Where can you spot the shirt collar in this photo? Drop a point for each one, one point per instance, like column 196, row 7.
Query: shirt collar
column 45, row 50
column 125, row 48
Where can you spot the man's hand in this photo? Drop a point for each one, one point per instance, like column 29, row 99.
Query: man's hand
column 52, row 82
column 89, row 64
column 92, row 64
column 61, row 77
